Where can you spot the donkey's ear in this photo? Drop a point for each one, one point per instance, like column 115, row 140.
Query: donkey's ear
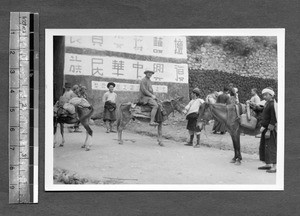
column 180, row 98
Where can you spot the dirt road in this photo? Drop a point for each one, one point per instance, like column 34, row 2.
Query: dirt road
column 141, row 161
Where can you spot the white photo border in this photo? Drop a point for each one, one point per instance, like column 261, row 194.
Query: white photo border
column 50, row 186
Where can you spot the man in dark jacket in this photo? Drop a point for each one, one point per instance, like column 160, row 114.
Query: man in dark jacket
column 147, row 96
column 224, row 99
column 268, row 141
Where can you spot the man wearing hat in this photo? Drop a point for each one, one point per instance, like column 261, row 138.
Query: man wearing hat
column 147, row 96
column 268, row 141
column 109, row 99
column 82, row 92
column 69, row 94
column 191, row 111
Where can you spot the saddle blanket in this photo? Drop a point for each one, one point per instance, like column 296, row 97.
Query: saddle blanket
column 144, row 111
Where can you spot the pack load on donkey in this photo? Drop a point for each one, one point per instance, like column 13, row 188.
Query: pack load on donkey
column 76, row 110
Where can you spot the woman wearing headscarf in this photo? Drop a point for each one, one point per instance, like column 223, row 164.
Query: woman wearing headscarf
column 268, row 141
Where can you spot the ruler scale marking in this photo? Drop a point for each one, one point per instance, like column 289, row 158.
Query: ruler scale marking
column 22, row 59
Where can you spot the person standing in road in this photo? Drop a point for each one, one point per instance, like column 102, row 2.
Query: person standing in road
column 268, row 141
column 109, row 99
column 191, row 111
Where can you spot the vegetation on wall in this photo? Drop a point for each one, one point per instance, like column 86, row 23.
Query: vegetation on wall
column 209, row 81
column 236, row 45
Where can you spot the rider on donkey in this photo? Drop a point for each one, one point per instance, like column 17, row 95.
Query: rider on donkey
column 147, row 96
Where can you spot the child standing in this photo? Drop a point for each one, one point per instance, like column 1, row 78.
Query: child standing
column 109, row 100
column 191, row 111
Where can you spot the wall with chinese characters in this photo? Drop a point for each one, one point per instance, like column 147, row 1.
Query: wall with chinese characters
column 93, row 61
column 262, row 63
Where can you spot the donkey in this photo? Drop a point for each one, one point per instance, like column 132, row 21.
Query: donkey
column 228, row 115
column 124, row 116
column 84, row 114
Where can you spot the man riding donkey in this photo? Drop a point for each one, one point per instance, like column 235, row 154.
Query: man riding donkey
column 147, row 96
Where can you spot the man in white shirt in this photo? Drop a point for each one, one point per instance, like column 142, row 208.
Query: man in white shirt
column 255, row 100
column 191, row 111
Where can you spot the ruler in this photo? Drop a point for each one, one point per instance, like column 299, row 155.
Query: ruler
column 23, row 107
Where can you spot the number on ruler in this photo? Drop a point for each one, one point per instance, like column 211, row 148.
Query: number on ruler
column 12, row 148
column 12, row 52
column 12, row 187
column 12, row 71
column 12, row 91
column 12, row 110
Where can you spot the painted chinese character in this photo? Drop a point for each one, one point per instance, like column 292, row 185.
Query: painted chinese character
column 157, row 67
column 179, row 73
column 158, row 78
column 178, row 46
column 75, row 58
column 103, row 86
column 118, row 66
column 74, row 40
column 137, row 66
column 158, row 41
column 97, row 40
column 75, row 68
column 131, row 87
column 118, row 45
column 137, row 40
column 97, row 66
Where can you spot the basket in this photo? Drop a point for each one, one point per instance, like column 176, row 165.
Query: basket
column 250, row 124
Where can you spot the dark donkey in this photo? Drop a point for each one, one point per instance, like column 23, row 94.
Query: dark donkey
column 124, row 116
column 226, row 114
column 84, row 114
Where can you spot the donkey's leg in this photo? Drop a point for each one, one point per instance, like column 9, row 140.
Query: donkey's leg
column 88, row 141
column 121, row 124
column 54, row 134
column 62, row 134
column 159, row 133
column 233, row 160
column 237, row 150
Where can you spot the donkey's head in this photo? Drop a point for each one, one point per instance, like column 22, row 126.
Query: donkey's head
column 204, row 114
column 177, row 104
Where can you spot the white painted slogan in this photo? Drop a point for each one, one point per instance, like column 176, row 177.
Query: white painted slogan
column 162, row 46
column 122, row 68
column 128, row 87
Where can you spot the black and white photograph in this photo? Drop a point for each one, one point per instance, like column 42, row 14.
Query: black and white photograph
column 164, row 109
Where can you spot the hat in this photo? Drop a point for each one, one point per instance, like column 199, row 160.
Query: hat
column 83, row 87
column 268, row 90
column 111, row 83
column 75, row 87
column 67, row 85
column 149, row 71
column 196, row 90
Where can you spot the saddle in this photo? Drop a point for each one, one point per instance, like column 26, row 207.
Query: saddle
column 139, row 110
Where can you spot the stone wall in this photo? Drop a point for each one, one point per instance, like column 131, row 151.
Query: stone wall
column 261, row 63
